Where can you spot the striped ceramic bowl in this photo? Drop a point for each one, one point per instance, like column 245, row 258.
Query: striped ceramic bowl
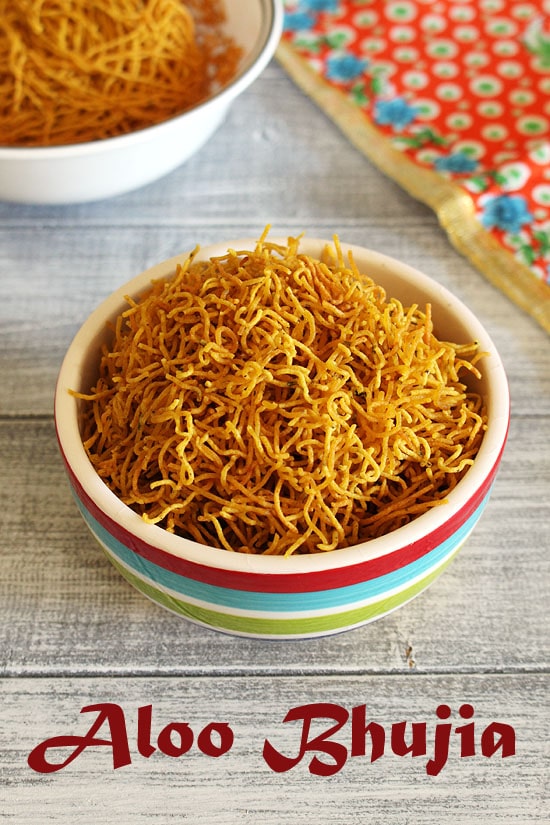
column 277, row 597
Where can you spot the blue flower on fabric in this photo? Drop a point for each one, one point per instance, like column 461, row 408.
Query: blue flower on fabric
column 456, row 162
column 298, row 21
column 321, row 5
column 397, row 113
column 507, row 212
column 342, row 67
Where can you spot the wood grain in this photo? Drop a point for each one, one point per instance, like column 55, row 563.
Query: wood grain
column 68, row 611
column 242, row 786
column 73, row 632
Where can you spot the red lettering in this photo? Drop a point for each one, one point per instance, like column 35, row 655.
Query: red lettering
column 174, row 740
column 145, row 715
column 306, row 714
column 418, row 739
column 208, row 747
column 168, row 747
column 466, row 732
column 497, row 735
column 107, row 712
column 441, row 745
column 359, row 730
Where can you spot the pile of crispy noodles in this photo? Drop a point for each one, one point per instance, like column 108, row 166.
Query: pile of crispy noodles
column 72, row 71
column 267, row 402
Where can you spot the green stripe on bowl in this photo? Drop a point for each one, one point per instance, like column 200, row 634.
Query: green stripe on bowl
column 279, row 628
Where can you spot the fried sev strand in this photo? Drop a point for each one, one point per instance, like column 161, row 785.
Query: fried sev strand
column 266, row 402
column 72, row 71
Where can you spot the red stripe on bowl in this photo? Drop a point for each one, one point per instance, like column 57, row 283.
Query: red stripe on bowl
column 285, row 582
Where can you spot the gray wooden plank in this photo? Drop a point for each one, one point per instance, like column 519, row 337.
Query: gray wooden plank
column 57, row 263
column 247, row 170
column 64, row 609
column 242, row 785
column 72, row 632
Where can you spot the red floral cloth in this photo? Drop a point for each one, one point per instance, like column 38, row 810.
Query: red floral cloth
column 452, row 99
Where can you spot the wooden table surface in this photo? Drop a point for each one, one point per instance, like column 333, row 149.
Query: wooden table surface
column 74, row 634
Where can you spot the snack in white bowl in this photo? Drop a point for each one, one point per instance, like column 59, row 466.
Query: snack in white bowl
column 286, row 449
column 96, row 168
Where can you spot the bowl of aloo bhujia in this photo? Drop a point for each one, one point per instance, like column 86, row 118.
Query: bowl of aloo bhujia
column 102, row 98
column 281, row 438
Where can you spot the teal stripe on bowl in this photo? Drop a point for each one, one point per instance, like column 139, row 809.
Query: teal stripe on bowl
column 279, row 602
column 282, row 628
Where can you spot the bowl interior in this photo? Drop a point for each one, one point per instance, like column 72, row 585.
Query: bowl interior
column 252, row 30
column 256, row 30
column 452, row 321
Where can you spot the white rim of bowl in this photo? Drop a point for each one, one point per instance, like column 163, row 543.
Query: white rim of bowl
column 71, row 444
column 262, row 54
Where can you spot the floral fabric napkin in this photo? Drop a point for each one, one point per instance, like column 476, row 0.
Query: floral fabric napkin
column 450, row 98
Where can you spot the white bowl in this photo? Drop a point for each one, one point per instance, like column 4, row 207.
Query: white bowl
column 104, row 168
column 273, row 596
